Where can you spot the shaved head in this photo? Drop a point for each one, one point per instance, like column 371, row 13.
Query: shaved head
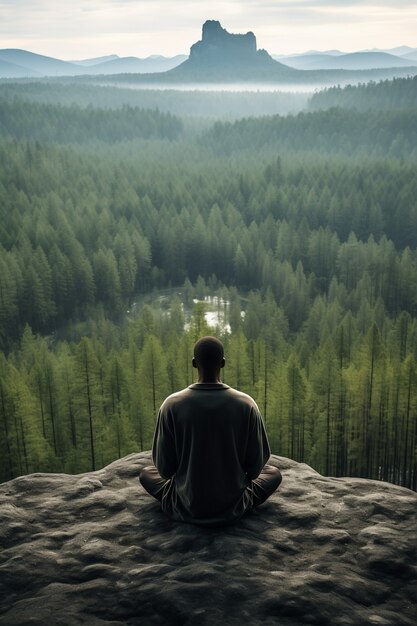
column 208, row 352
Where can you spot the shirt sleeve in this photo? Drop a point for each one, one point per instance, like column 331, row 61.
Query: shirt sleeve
column 163, row 447
column 258, row 449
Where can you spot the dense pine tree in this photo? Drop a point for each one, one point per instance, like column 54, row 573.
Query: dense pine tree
column 304, row 227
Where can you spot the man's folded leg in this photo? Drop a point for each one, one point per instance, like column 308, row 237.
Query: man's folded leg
column 261, row 487
column 152, row 481
column 267, row 482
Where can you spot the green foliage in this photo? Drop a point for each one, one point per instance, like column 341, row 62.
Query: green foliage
column 205, row 104
column 399, row 93
column 74, row 124
column 335, row 130
column 84, row 231
column 344, row 401
column 105, row 247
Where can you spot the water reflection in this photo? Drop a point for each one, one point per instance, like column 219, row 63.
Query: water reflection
column 215, row 314
column 216, row 309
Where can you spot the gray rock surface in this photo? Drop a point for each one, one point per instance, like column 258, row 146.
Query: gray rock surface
column 96, row 549
column 218, row 46
column 217, row 43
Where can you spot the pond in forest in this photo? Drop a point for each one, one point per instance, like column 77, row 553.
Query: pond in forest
column 216, row 308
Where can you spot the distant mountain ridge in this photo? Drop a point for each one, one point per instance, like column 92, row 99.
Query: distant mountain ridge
column 16, row 63
column 96, row 60
column 35, row 64
column 410, row 56
column 223, row 57
column 399, row 51
column 350, row 61
column 135, row 65
column 218, row 55
column 11, row 70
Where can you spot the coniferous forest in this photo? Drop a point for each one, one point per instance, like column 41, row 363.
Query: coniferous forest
column 124, row 222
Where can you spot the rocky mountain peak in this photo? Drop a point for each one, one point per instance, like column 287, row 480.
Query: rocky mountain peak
column 217, row 44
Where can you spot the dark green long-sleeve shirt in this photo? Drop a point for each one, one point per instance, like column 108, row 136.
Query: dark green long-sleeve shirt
column 210, row 440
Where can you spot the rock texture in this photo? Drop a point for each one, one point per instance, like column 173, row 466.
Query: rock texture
column 219, row 45
column 220, row 53
column 96, row 549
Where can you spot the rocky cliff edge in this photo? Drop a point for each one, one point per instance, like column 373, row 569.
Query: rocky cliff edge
column 96, row 549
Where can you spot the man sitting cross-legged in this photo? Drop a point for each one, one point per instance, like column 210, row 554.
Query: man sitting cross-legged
column 210, row 448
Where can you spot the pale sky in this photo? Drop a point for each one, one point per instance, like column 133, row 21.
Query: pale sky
column 78, row 29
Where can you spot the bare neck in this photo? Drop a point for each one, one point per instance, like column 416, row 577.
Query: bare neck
column 209, row 377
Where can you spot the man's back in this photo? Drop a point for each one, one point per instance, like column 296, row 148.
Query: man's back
column 210, row 438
